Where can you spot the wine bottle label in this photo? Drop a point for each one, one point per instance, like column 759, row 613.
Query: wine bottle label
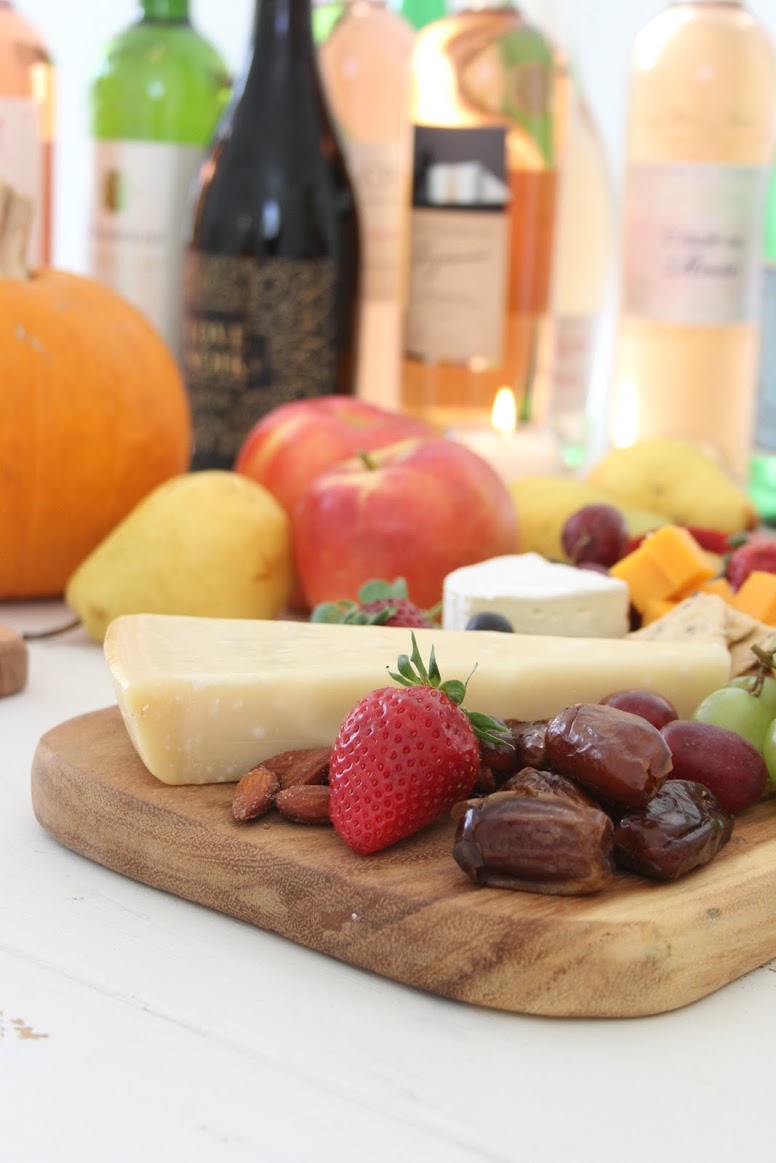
column 379, row 173
column 765, row 424
column 573, row 352
column 22, row 163
column 138, row 201
column 459, row 246
column 256, row 334
column 691, row 243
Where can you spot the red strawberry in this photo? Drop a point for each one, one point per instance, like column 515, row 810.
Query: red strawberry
column 380, row 603
column 757, row 552
column 400, row 612
column 403, row 756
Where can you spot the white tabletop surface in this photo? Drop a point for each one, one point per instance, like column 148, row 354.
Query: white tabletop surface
column 136, row 1026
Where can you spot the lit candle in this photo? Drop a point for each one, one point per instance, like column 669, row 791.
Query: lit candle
column 512, row 451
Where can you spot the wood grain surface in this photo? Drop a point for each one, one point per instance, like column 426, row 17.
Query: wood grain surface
column 13, row 662
column 409, row 913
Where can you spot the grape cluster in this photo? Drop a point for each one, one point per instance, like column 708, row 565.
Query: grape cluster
column 729, row 744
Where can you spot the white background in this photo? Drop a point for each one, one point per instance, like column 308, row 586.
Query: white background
column 75, row 31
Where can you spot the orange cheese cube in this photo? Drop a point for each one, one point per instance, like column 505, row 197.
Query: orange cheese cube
column 668, row 565
column 719, row 586
column 655, row 608
column 757, row 597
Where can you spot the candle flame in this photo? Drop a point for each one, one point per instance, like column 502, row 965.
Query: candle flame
column 503, row 417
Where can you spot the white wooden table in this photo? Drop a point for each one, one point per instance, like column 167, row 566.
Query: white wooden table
column 136, row 1026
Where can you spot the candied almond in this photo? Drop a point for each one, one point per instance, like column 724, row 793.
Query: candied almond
column 254, row 793
column 304, row 803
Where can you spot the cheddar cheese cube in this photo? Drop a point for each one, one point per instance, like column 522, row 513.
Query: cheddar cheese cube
column 668, row 565
column 720, row 586
column 655, row 608
column 757, row 596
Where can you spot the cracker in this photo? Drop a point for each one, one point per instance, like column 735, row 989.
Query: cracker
column 708, row 618
column 700, row 618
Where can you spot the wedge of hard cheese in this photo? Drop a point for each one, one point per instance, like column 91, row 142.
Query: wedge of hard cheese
column 205, row 699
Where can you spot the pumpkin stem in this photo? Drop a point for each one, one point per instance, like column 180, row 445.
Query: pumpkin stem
column 31, row 635
column 16, row 212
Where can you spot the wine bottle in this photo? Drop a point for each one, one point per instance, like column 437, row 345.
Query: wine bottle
column 27, row 111
column 366, row 64
column 583, row 273
column 490, row 95
column 701, row 121
column 155, row 102
column 271, row 269
column 762, row 478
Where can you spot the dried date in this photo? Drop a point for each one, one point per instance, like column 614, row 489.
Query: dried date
column 532, row 782
column 542, row 843
column 618, row 757
column 681, row 828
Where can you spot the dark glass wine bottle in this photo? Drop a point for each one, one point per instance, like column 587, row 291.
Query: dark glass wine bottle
column 271, row 263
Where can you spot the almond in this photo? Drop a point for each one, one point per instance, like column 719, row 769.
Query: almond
column 307, row 765
column 304, row 803
column 255, row 793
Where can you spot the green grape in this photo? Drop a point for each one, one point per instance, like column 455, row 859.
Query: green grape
column 769, row 750
column 767, row 695
column 737, row 710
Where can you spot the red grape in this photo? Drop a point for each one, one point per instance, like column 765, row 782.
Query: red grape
column 721, row 760
column 651, row 706
column 595, row 533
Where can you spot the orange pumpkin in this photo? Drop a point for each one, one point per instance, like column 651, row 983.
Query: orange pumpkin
column 93, row 415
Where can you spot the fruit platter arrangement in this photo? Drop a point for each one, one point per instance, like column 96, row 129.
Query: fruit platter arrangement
column 514, row 742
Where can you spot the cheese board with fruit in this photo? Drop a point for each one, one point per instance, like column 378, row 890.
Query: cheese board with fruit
column 574, row 820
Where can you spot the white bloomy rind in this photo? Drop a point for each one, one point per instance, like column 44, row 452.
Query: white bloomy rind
column 538, row 597
column 204, row 699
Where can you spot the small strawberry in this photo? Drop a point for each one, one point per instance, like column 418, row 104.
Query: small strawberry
column 380, row 603
column 404, row 755
column 756, row 552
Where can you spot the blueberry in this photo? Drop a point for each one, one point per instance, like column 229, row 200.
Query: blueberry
column 489, row 621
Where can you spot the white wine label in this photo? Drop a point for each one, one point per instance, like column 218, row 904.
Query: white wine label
column 765, row 424
column 457, row 286
column 22, row 162
column 459, row 246
column 379, row 175
column 691, row 243
column 139, row 198
column 256, row 334
column 573, row 352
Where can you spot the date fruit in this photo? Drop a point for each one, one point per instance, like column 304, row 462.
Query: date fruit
column 720, row 759
column 531, row 782
column 618, row 757
column 543, row 843
column 681, row 828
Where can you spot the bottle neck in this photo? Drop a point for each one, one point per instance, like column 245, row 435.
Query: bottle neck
column 281, row 20
column 165, row 9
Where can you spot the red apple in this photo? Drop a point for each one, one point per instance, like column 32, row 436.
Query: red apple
column 417, row 509
column 287, row 449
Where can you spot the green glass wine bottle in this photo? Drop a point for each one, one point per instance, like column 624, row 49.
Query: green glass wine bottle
column 155, row 100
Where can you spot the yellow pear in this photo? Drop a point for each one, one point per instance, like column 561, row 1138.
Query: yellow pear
column 210, row 544
column 678, row 480
column 544, row 504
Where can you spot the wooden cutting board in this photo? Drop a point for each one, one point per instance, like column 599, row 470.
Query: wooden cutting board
column 409, row 913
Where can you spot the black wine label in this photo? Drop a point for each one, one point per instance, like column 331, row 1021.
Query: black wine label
column 461, row 168
column 256, row 334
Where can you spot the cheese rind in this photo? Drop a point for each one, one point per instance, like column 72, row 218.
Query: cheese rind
column 204, row 699
column 538, row 597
